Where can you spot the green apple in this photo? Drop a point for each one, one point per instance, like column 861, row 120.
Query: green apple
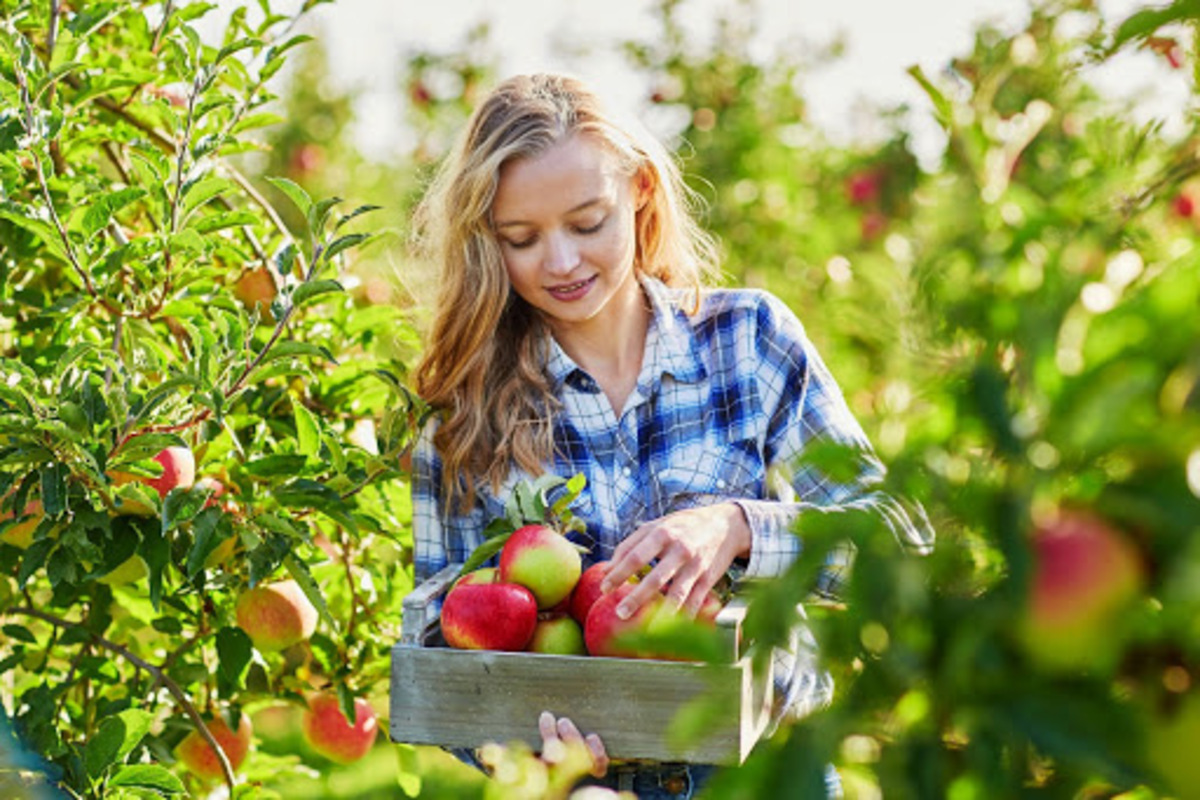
column 559, row 635
column 276, row 616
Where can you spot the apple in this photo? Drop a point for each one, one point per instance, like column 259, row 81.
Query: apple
column 1183, row 205
column 178, row 471
column 483, row 575
column 195, row 753
column 276, row 616
column 604, row 630
column 329, row 733
column 256, row 288
column 863, row 187
column 560, row 635
column 1085, row 575
column 489, row 616
column 20, row 534
column 543, row 561
column 587, row 591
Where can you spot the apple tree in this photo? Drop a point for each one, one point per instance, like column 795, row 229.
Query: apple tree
column 191, row 405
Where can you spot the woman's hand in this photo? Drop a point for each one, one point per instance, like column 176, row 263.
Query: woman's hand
column 556, row 733
column 693, row 547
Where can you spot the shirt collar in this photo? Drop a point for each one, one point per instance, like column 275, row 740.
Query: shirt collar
column 671, row 348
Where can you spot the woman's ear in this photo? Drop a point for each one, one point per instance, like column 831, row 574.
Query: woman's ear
column 643, row 186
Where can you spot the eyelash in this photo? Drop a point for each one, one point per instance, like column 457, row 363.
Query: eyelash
column 585, row 231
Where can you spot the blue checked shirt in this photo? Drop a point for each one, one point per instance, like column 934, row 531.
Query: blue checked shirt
column 726, row 401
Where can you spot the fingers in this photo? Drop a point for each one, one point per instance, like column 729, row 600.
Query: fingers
column 558, row 734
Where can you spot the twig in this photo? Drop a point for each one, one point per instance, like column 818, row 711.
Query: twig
column 160, row 677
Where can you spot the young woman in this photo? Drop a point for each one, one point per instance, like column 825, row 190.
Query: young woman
column 575, row 332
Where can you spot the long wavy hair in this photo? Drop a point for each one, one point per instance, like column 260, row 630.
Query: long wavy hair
column 482, row 370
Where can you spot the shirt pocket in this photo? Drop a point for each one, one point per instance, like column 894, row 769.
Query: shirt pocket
column 731, row 468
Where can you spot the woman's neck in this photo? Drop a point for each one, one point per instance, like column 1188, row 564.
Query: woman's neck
column 610, row 347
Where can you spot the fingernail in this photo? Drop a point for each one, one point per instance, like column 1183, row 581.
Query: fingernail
column 623, row 611
column 605, row 586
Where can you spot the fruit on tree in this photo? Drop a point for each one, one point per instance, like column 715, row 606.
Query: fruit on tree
column 1086, row 573
column 276, row 616
column 329, row 733
column 195, row 753
column 542, row 560
column 256, row 288
column 587, row 591
column 178, row 471
column 1184, row 205
column 560, row 635
column 20, row 534
column 491, row 616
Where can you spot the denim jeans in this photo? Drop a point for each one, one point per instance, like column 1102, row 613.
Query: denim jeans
column 678, row 781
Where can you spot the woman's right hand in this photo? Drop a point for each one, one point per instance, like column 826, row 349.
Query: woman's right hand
column 558, row 732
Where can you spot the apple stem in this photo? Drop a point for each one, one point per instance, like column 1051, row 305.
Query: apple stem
column 160, row 677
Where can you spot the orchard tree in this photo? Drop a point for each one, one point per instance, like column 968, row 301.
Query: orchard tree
column 171, row 440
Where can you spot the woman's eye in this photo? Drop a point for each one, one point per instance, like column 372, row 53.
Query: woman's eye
column 522, row 244
column 593, row 228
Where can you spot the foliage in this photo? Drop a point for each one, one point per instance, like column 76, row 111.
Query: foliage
column 126, row 230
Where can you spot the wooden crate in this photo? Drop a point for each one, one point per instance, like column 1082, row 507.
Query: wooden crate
column 466, row 698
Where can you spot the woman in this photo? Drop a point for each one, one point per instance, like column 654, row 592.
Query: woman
column 575, row 332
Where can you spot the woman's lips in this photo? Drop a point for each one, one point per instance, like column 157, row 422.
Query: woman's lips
column 572, row 291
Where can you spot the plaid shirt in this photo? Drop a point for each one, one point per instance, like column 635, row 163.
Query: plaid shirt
column 725, row 403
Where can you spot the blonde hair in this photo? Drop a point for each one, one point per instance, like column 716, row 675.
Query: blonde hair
column 483, row 368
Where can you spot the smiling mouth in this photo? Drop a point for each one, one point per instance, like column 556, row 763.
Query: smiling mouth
column 571, row 288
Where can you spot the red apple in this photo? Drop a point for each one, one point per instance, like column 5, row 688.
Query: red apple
column 863, row 187
column 489, row 616
column 604, row 630
column 1085, row 575
column 560, row 635
column 178, row 471
column 1183, row 205
column 587, row 591
column 543, row 561
column 328, row 732
column 276, row 616
column 201, row 760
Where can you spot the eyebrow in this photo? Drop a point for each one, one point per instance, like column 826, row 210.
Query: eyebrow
column 584, row 205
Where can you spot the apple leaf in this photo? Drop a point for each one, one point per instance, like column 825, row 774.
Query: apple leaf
column 312, row 590
column 483, row 552
column 149, row 777
column 114, row 740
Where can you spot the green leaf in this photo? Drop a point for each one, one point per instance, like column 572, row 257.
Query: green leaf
column 294, row 193
column 1148, row 20
column 308, row 432
column 943, row 111
column 151, row 777
column 274, row 465
column 310, row 289
column 234, row 650
column 196, row 194
column 19, row 633
column 312, row 590
column 115, row 739
column 54, row 488
column 485, row 551
column 102, row 211
column 345, row 242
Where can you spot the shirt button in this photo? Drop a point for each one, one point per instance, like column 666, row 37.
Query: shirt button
column 627, row 471
column 721, row 483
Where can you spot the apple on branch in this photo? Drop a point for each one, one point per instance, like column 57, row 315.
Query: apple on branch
column 1086, row 574
column 178, row 471
column 330, row 734
column 276, row 616
column 195, row 753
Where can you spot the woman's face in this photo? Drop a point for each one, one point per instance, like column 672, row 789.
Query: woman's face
column 565, row 223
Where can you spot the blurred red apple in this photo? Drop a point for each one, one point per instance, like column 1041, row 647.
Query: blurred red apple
column 489, row 616
column 543, row 561
column 1085, row 575
column 1183, row 205
column 201, row 760
column 276, row 616
column 328, row 732
column 256, row 288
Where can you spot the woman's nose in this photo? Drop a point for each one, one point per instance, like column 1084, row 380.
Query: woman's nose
column 562, row 254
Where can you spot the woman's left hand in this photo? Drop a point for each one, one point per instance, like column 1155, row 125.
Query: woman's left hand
column 693, row 548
